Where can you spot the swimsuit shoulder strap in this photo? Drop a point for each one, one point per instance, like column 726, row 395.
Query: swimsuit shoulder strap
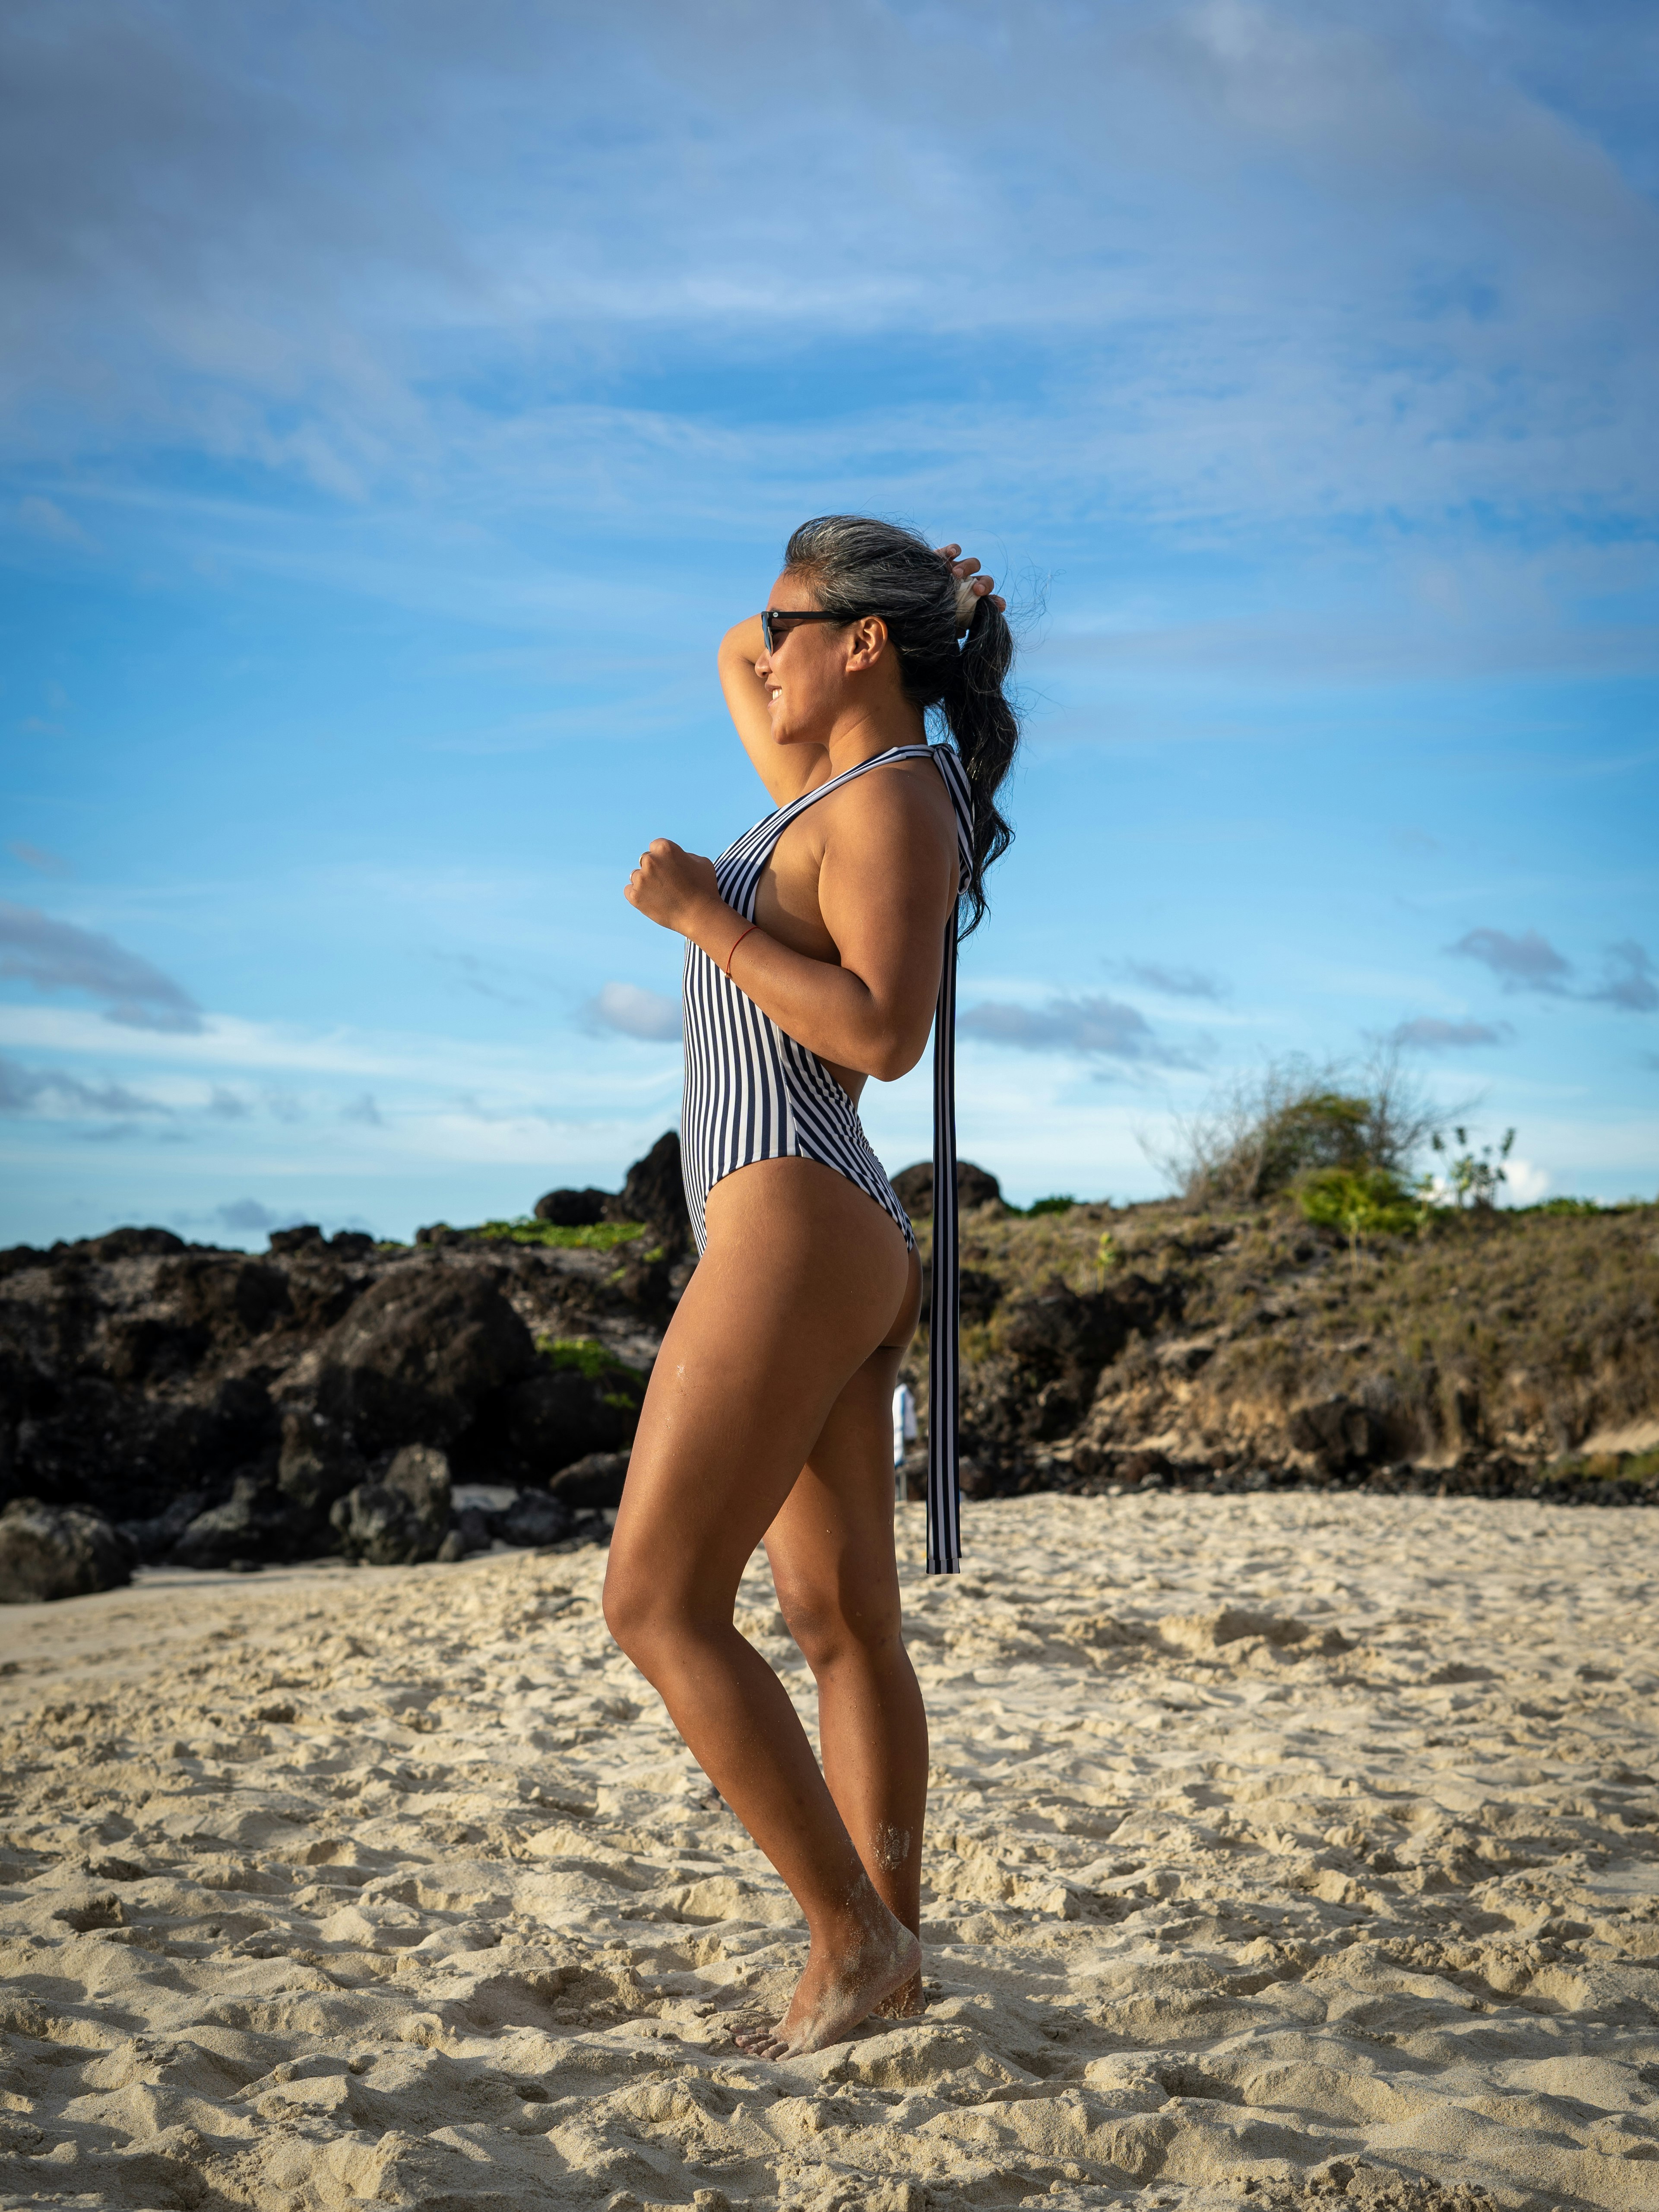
column 743, row 861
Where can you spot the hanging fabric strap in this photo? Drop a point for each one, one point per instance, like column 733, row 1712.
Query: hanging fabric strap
column 944, row 1497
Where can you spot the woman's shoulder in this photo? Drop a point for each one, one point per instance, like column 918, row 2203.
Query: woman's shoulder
column 903, row 798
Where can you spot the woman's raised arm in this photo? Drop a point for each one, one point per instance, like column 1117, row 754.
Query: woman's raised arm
column 785, row 771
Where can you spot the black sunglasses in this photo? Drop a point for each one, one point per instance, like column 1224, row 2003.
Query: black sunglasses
column 776, row 623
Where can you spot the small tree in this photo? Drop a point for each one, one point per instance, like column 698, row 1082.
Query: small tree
column 1263, row 1133
column 1474, row 1178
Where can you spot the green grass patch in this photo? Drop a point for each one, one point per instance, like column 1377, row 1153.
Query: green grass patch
column 597, row 1236
column 1056, row 1205
column 1605, row 1467
column 586, row 1357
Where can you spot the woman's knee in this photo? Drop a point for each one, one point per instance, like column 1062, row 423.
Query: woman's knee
column 650, row 1612
column 640, row 1613
column 829, row 1632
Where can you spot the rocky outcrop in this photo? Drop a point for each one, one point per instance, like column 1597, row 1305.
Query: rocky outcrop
column 1248, row 1348
column 226, row 1410
column 914, row 1188
column 49, row 1552
column 653, row 1193
column 416, row 1356
column 400, row 1516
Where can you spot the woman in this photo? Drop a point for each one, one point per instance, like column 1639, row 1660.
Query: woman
column 812, row 963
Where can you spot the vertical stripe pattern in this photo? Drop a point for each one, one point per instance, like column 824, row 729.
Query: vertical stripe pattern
column 944, row 1330
column 754, row 1093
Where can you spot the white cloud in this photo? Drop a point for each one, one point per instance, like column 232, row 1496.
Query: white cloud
column 635, row 1013
column 1527, row 1184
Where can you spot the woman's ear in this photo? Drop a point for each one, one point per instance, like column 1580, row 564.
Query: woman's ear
column 865, row 645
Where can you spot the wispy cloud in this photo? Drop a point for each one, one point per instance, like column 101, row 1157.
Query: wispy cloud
column 245, row 1214
column 1530, row 963
column 362, row 1109
column 1526, row 962
column 478, row 976
column 1093, row 1027
column 1629, row 983
column 635, row 1013
column 1176, row 982
column 57, row 955
column 50, row 1091
column 1428, row 1033
column 37, row 857
column 44, row 518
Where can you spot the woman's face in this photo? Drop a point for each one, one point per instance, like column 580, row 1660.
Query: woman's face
column 806, row 676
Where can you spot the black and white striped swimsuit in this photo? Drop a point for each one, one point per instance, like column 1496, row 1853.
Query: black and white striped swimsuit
column 754, row 1093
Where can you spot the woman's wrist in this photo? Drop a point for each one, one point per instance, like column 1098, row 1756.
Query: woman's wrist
column 716, row 930
column 743, row 640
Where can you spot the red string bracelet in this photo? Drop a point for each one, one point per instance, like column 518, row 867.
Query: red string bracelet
column 733, row 954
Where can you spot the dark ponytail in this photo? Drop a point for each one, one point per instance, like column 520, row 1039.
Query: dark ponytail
column 861, row 566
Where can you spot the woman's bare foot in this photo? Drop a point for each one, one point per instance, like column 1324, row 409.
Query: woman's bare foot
column 839, row 1989
column 906, row 2002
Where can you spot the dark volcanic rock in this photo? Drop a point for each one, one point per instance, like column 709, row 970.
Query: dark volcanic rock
column 1337, row 1433
column 403, row 1517
column 913, row 1187
column 1062, row 1333
column 49, row 1551
column 573, row 1209
column 257, row 1522
column 146, row 1348
column 414, row 1355
column 472, row 1530
column 157, row 1537
column 317, row 1464
column 979, row 1295
column 137, row 1244
column 231, row 1295
column 534, row 1518
column 127, row 1453
column 592, row 1481
column 532, row 1429
column 654, row 1193
column 1056, row 1341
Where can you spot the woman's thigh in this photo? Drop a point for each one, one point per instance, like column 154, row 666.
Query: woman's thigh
column 802, row 1278
column 831, row 1542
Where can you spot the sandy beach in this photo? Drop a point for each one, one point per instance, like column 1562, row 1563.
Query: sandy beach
column 1285, row 1851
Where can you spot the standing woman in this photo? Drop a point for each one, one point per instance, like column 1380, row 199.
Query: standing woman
column 813, row 959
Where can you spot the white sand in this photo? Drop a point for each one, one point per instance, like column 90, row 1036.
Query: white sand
column 328, row 1886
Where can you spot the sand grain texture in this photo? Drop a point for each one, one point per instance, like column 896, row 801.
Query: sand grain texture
column 1285, row 1851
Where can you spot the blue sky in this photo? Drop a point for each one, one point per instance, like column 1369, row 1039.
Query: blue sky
column 396, row 403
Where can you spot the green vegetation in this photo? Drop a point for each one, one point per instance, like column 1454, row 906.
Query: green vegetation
column 586, row 1357
column 1605, row 1467
column 600, row 1236
column 1566, row 1205
column 1263, row 1134
column 1048, row 1205
column 1360, row 1202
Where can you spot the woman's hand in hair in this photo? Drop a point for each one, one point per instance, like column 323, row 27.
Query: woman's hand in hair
column 674, row 887
column 966, row 572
